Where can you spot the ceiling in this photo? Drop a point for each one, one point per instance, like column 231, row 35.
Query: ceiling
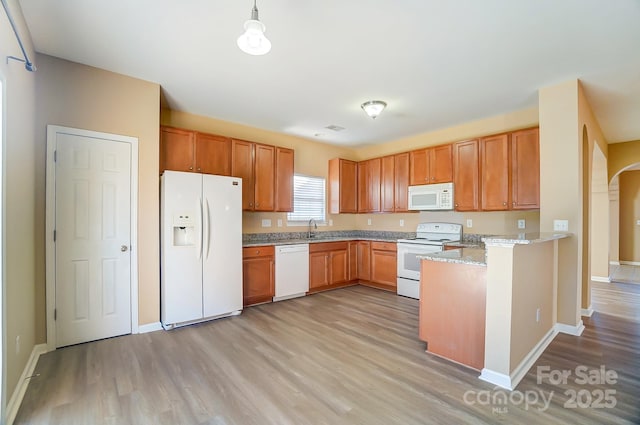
column 436, row 63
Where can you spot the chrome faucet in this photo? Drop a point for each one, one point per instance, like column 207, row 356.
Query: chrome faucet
column 315, row 226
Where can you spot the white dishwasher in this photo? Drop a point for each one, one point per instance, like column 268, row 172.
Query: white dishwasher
column 292, row 271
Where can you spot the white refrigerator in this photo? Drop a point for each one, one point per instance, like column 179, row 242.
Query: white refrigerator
column 201, row 247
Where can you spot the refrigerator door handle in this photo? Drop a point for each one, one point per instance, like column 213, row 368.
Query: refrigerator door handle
column 201, row 233
column 207, row 228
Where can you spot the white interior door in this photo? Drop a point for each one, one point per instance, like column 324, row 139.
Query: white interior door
column 93, row 238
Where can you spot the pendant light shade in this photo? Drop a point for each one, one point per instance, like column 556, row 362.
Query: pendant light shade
column 373, row 108
column 253, row 41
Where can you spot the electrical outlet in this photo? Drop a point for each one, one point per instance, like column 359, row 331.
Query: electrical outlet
column 561, row 225
column 401, row 223
column 266, row 222
column 521, row 224
column 538, row 315
column 279, row 222
column 368, row 222
column 18, row 344
column 638, row 222
column 330, row 222
column 469, row 223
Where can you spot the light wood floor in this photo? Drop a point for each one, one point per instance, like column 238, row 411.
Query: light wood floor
column 348, row 356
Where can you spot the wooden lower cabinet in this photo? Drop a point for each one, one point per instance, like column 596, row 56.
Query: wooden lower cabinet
column 364, row 260
column 384, row 265
column 328, row 265
column 353, row 261
column 258, row 278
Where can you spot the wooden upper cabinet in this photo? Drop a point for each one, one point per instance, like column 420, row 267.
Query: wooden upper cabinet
column 284, row 179
column 213, row 154
column 388, row 184
column 264, row 175
column 363, row 187
column 374, row 170
column 431, row 165
column 401, row 191
column 441, row 164
column 494, row 172
column 525, row 169
column 466, row 175
column 343, row 192
column 242, row 167
column 177, row 149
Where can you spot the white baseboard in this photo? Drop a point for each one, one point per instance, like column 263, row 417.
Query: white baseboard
column 23, row 382
column 614, row 263
column 149, row 327
column 511, row 381
column 601, row 279
column 630, row 263
column 575, row 330
column 588, row 312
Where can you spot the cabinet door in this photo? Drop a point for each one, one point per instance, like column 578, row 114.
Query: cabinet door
column 401, row 182
column 364, row 260
column 494, row 172
column 257, row 279
column 466, row 175
column 419, row 167
column 343, row 195
column 440, row 164
column 265, row 160
column 177, row 150
column 284, row 179
column 363, row 187
column 525, row 171
column 384, row 267
column 374, row 170
column 387, row 184
column 339, row 263
column 353, row 261
column 213, row 154
column 242, row 166
column 318, row 269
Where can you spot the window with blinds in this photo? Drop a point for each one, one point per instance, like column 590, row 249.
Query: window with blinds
column 308, row 199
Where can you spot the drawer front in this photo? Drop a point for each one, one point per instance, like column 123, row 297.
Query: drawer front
column 383, row 246
column 258, row 251
column 327, row 246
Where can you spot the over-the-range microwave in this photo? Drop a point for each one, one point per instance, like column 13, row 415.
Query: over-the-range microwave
column 431, row 197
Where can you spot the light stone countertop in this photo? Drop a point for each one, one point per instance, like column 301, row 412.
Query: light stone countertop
column 277, row 242
column 523, row 238
column 475, row 256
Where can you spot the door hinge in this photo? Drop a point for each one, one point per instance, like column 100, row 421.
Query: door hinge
column 54, row 235
column 55, row 156
column 55, row 314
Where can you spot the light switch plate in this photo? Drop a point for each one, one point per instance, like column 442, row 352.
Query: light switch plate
column 266, row 222
column 279, row 222
column 401, row 223
column 369, row 222
column 330, row 222
column 521, row 223
column 469, row 223
column 561, row 225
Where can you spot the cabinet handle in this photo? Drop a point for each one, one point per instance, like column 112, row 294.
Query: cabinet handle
column 456, row 205
column 504, row 204
column 199, row 169
column 514, row 204
column 257, row 205
column 190, row 168
column 433, row 178
column 250, row 204
column 257, row 252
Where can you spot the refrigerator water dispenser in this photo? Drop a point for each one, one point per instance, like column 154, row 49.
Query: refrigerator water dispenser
column 184, row 231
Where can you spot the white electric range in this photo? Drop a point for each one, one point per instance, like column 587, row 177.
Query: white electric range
column 430, row 237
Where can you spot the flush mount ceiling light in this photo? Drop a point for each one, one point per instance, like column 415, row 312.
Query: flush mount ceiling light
column 253, row 41
column 373, row 108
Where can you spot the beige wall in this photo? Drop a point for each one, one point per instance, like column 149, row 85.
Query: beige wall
column 621, row 156
column 19, row 207
column 614, row 220
column 629, row 214
column 75, row 95
column 599, row 228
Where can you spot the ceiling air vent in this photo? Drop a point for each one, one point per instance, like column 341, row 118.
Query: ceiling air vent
column 335, row 127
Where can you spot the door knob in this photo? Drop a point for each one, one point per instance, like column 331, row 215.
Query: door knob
column 124, row 248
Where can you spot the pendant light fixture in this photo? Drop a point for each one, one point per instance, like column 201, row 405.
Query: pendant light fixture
column 373, row 108
column 253, row 41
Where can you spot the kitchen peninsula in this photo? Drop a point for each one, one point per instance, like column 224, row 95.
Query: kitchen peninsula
column 467, row 304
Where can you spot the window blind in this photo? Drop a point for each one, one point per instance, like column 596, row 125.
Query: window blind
column 308, row 199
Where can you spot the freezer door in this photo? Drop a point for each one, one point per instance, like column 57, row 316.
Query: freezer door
column 181, row 247
column 222, row 245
